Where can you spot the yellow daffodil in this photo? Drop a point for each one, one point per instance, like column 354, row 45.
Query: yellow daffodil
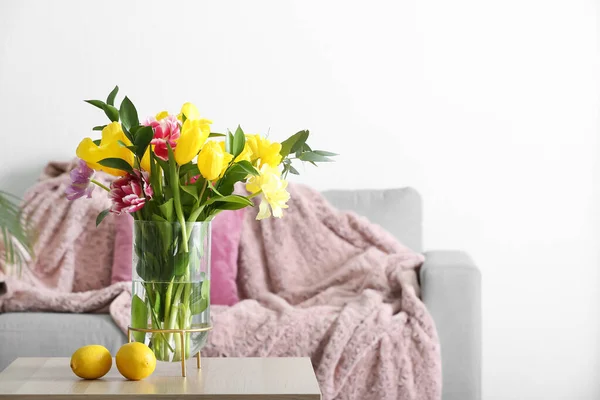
column 190, row 111
column 246, row 154
column 263, row 151
column 109, row 147
column 273, row 189
column 194, row 133
column 213, row 160
column 161, row 115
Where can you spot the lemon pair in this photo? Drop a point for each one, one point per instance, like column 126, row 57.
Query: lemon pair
column 134, row 361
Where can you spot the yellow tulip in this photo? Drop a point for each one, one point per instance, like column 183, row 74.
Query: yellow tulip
column 109, row 147
column 263, row 151
column 161, row 115
column 145, row 161
column 190, row 111
column 213, row 160
column 194, row 133
column 273, row 191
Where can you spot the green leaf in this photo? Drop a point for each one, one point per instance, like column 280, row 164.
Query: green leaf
column 101, row 216
column 229, row 143
column 128, row 113
column 232, row 198
column 293, row 170
column 198, row 305
column 239, row 140
column 117, row 163
column 236, row 173
column 97, row 142
column 247, row 166
column 128, row 134
column 294, row 142
column 324, row 153
column 96, row 103
column 167, row 210
column 181, row 263
column 139, row 317
column 314, row 157
column 130, row 148
column 189, row 168
column 143, row 137
column 215, row 134
column 99, row 127
column 205, row 290
column 190, row 189
column 111, row 112
column 111, row 97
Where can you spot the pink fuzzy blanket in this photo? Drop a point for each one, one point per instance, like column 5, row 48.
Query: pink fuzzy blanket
column 319, row 282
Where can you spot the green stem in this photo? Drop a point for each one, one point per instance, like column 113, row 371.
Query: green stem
column 155, row 177
column 168, row 295
column 174, row 178
column 100, row 184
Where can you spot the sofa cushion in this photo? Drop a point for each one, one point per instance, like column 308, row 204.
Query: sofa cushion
column 397, row 210
column 54, row 334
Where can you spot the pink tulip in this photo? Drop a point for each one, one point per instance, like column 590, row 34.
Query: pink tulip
column 165, row 130
column 129, row 192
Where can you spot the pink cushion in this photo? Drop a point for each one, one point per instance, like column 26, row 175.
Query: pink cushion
column 121, row 267
column 225, row 242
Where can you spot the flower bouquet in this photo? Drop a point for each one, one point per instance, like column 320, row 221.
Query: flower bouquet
column 174, row 175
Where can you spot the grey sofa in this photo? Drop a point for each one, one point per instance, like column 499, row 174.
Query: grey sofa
column 451, row 289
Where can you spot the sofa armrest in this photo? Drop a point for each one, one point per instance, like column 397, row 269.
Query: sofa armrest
column 451, row 290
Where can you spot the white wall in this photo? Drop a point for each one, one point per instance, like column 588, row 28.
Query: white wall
column 488, row 108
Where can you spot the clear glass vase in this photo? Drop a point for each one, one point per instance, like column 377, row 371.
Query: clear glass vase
column 171, row 286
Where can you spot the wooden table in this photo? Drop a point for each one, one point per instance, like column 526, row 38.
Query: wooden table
column 219, row 378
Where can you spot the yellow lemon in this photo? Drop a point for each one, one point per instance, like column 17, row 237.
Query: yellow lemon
column 135, row 361
column 91, row 362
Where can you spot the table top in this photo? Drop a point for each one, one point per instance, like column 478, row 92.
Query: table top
column 223, row 378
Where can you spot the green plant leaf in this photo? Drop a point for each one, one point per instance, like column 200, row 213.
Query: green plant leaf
column 293, row 170
column 99, row 127
column 167, row 210
column 232, row 198
column 215, row 134
column 247, row 166
column 96, row 103
column 111, row 96
column 117, row 163
column 128, row 134
column 205, row 290
column 143, row 137
column 139, row 317
column 198, row 305
column 16, row 232
column 324, row 153
column 181, row 263
column 314, row 157
column 111, row 112
column 294, row 142
column 239, row 141
column 189, row 168
column 128, row 114
column 191, row 190
column 101, row 216
column 97, row 142
column 229, row 143
column 236, row 173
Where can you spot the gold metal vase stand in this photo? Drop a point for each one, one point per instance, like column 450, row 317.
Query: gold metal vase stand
column 182, row 335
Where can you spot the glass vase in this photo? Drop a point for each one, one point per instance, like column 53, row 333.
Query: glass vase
column 171, row 286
